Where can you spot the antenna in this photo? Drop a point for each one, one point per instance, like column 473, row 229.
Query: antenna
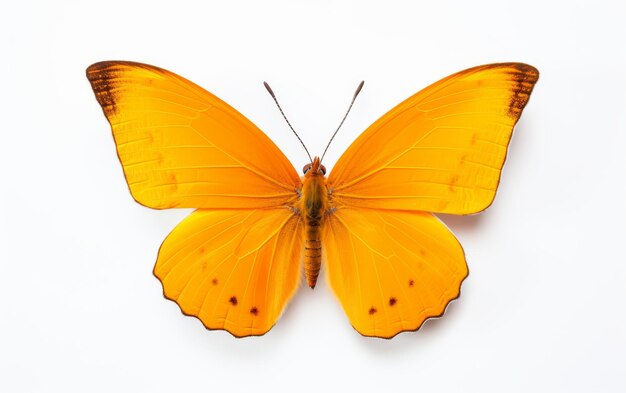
column 269, row 90
column 356, row 93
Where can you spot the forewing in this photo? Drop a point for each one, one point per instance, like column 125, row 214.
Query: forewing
column 391, row 270
column 181, row 146
column 233, row 269
column 441, row 150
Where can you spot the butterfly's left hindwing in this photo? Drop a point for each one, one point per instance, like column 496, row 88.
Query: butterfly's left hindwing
column 233, row 269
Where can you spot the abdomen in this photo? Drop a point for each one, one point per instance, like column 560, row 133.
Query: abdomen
column 312, row 250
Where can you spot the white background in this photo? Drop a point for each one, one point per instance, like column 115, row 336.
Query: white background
column 542, row 310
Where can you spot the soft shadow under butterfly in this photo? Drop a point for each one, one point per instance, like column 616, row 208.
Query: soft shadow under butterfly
column 235, row 262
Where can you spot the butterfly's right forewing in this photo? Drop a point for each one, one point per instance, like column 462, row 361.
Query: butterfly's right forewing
column 441, row 150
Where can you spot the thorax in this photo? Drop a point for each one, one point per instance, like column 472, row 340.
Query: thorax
column 314, row 200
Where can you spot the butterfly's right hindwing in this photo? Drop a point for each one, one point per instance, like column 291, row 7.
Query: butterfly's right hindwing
column 391, row 270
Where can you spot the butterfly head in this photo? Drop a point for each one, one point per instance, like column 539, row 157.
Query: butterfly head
column 314, row 168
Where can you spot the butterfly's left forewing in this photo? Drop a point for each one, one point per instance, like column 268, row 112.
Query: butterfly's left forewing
column 181, row 146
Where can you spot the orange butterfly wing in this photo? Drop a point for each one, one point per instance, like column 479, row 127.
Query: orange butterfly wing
column 234, row 266
column 233, row 269
column 391, row 264
column 391, row 269
column 180, row 146
column 442, row 149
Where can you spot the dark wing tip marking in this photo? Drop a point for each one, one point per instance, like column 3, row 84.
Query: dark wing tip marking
column 102, row 77
column 524, row 78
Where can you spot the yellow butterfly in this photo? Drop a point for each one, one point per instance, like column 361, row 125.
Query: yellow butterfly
column 235, row 262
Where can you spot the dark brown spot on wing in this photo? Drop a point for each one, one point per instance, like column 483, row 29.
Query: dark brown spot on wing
column 372, row 311
column 233, row 300
column 214, row 281
column 411, row 283
column 254, row 311
column 393, row 301
column 455, row 179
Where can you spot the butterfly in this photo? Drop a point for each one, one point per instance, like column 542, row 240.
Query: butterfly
column 236, row 261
